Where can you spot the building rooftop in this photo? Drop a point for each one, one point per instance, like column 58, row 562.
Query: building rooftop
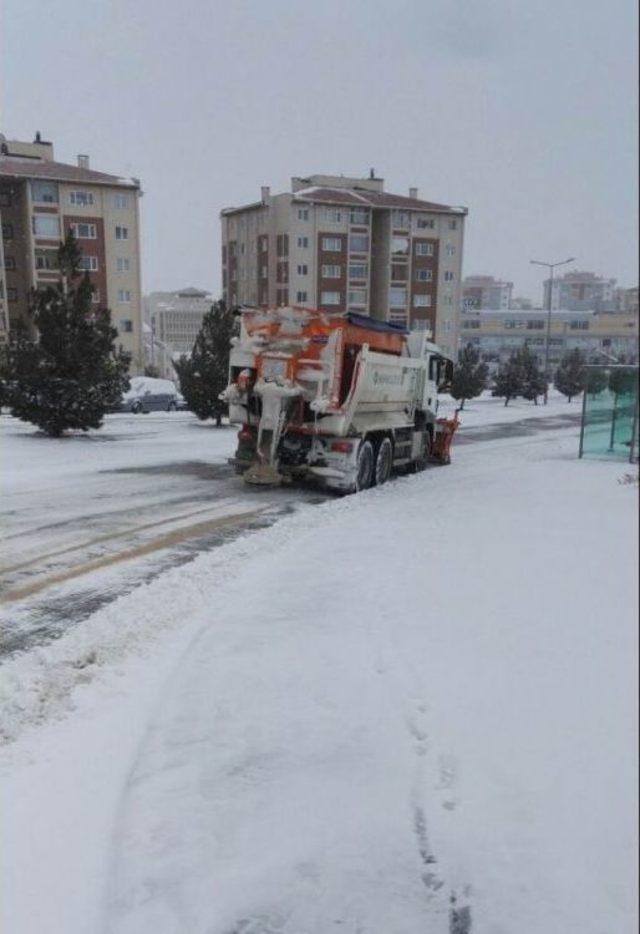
column 374, row 199
column 18, row 167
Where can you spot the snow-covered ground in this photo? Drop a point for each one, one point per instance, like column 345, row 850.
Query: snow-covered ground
column 340, row 721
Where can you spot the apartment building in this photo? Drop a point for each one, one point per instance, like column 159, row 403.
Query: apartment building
column 599, row 335
column 40, row 200
column 342, row 243
column 176, row 317
column 486, row 292
column 580, row 291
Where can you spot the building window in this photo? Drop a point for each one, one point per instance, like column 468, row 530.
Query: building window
column 303, row 215
column 359, row 243
column 424, row 223
column 126, row 325
column 89, row 263
column 400, row 219
column 44, row 192
column 9, row 262
column 264, row 272
column 264, row 246
column 46, row 259
column 332, row 244
column 579, row 325
column 5, row 199
column 303, row 269
column 46, row 225
column 95, row 296
column 448, row 300
column 470, row 325
column 12, row 295
column 333, row 215
column 331, row 272
column 424, row 249
column 330, row 298
column 398, row 317
column 400, row 246
column 7, row 231
column 535, row 325
column 422, row 301
column 301, row 297
column 513, row 323
column 424, row 275
column 453, row 224
column 357, row 297
column 303, row 243
column 448, row 276
column 120, row 200
column 359, row 216
column 84, row 231
column 123, row 264
column 82, row 198
column 358, row 270
column 398, row 298
column 450, row 249
column 122, row 233
column 124, row 296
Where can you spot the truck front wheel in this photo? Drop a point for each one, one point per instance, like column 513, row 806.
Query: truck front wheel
column 364, row 467
column 384, row 460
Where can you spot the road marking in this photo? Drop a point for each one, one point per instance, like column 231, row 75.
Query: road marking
column 164, row 541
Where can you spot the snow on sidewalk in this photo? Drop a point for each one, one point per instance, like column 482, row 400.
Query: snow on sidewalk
column 336, row 723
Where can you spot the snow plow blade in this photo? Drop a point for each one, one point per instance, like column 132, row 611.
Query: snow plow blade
column 262, row 475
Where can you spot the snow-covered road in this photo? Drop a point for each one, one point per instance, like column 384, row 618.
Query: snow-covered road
column 340, row 721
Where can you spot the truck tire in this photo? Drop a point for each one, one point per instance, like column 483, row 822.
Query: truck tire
column 384, row 460
column 365, row 467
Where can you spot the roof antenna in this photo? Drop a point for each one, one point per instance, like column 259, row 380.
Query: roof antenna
column 372, row 173
column 38, row 138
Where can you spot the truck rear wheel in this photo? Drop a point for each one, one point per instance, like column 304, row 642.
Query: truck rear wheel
column 365, row 466
column 384, row 460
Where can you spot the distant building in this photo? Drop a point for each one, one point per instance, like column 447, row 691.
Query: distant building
column 339, row 244
column 486, row 292
column 599, row 335
column 580, row 291
column 174, row 320
column 40, row 200
column 524, row 304
column 627, row 300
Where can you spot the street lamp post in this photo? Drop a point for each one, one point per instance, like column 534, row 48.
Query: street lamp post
column 550, row 267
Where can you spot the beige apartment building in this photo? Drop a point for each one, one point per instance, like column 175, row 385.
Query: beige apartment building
column 601, row 336
column 345, row 244
column 40, row 200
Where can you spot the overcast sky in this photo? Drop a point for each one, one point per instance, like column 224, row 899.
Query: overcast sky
column 524, row 112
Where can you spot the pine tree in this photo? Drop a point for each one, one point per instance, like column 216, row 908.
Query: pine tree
column 69, row 375
column 469, row 375
column 509, row 379
column 534, row 383
column 596, row 381
column 205, row 374
column 622, row 381
column 570, row 376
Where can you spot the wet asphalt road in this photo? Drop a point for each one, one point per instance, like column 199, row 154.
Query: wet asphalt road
column 77, row 565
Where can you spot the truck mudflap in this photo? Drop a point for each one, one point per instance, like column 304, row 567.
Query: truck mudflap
column 443, row 438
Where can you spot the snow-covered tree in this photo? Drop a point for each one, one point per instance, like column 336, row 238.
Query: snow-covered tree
column 571, row 375
column 71, row 372
column 205, row 374
column 469, row 375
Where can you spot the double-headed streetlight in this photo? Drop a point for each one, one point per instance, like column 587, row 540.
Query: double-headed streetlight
column 550, row 267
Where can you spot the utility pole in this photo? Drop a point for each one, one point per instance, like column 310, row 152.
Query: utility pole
column 550, row 267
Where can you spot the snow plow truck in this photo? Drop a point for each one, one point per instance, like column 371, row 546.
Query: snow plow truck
column 339, row 398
